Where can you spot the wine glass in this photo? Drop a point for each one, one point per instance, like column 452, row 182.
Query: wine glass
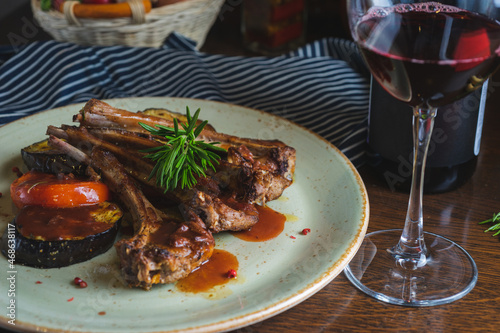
column 426, row 54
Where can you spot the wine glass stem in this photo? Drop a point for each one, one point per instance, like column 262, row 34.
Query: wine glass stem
column 411, row 245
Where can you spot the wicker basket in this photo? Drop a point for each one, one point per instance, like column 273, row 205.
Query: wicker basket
column 191, row 18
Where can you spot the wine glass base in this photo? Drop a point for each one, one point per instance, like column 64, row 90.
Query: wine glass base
column 448, row 274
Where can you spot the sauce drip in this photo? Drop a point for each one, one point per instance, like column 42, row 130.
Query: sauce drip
column 212, row 273
column 175, row 234
column 52, row 224
column 163, row 235
column 271, row 224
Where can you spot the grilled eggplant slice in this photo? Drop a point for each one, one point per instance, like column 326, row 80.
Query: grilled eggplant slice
column 58, row 237
column 42, row 157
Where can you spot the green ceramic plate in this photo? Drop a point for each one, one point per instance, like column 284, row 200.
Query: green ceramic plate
column 327, row 196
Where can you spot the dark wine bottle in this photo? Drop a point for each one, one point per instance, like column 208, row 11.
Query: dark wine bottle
column 453, row 149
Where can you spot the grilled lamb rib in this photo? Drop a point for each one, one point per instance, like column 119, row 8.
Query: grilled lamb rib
column 96, row 113
column 164, row 248
column 272, row 163
column 220, row 210
column 253, row 171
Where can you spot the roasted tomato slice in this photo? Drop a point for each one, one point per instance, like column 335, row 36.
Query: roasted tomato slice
column 48, row 190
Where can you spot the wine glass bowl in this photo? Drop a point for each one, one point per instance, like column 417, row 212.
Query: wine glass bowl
column 426, row 54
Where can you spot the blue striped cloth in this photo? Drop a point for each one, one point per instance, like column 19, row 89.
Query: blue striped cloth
column 322, row 86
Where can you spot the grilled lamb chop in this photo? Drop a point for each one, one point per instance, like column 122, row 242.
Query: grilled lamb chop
column 269, row 170
column 164, row 248
column 96, row 113
column 243, row 176
column 263, row 177
column 220, row 210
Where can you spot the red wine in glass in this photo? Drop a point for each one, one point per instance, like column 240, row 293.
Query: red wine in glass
column 425, row 56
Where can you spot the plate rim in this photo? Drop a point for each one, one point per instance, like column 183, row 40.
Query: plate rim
column 259, row 315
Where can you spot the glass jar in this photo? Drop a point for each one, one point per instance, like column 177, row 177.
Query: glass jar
column 273, row 27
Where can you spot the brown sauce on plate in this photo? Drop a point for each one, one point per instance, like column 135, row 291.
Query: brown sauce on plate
column 213, row 272
column 271, row 224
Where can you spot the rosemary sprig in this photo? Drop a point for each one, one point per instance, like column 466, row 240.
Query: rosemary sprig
column 495, row 219
column 183, row 157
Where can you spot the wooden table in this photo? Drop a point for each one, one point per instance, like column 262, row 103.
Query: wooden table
column 340, row 307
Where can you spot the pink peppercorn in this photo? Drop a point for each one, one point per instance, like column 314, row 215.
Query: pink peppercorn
column 231, row 274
